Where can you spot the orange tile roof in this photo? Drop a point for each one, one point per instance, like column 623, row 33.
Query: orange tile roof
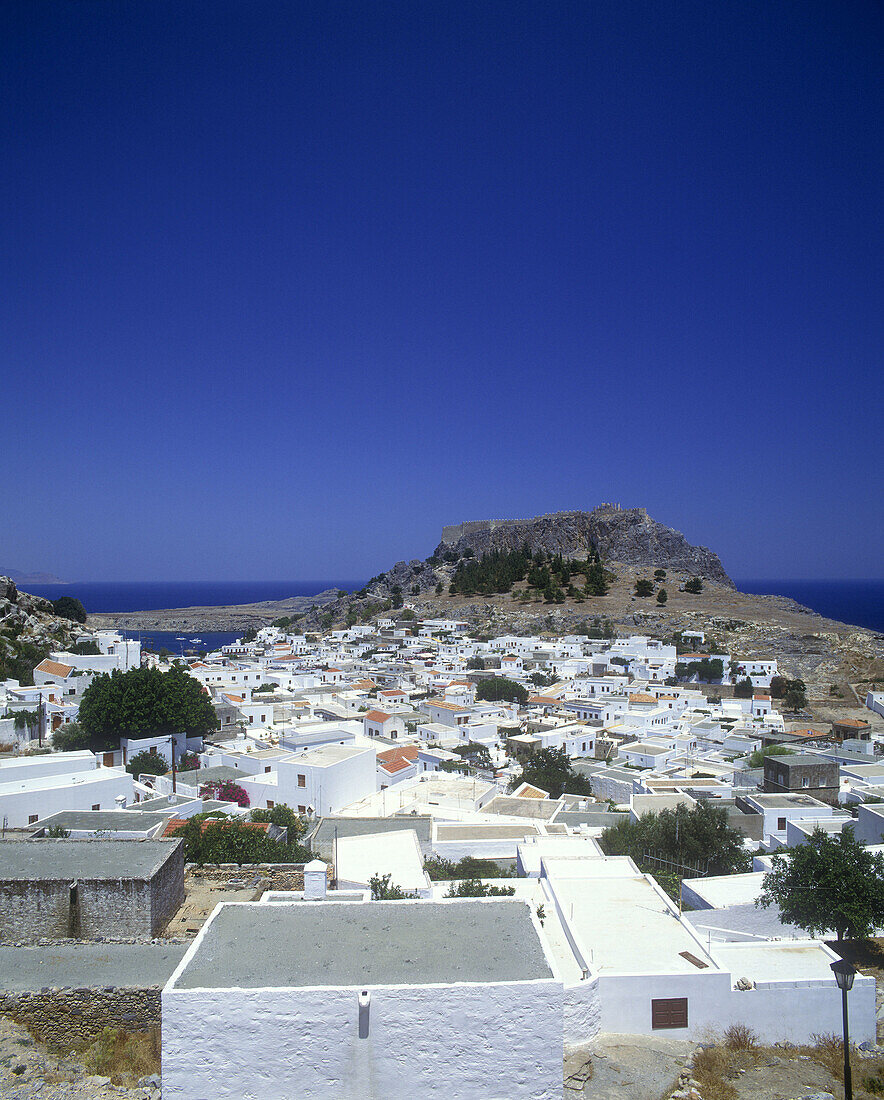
column 855, row 723
column 445, row 705
column 54, row 668
column 642, row 697
column 761, row 697
column 377, row 716
column 543, row 700
column 233, row 698
column 396, row 759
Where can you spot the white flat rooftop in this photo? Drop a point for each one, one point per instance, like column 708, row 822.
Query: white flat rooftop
column 782, row 961
column 622, row 921
column 396, row 853
column 326, row 756
column 723, row 890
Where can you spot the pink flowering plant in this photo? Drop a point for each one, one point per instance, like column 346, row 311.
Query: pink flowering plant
column 225, row 790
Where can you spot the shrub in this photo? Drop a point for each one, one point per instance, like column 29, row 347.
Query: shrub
column 122, row 1054
column 740, row 1037
column 284, row 816
column 383, row 889
column 68, row 607
column 694, row 585
column 189, row 762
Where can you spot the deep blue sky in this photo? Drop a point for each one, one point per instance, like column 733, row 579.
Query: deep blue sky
column 288, row 286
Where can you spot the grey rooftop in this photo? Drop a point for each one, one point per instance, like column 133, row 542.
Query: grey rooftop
column 304, row 944
column 104, row 820
column 96, row 965
column 49, row 860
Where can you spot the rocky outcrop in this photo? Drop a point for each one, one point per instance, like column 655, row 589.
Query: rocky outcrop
column 628, row 536
column 28, row 631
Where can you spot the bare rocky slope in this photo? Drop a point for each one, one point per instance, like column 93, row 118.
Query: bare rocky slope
column 624, row 535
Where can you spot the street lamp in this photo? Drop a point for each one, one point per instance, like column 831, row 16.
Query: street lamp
column 844, row 975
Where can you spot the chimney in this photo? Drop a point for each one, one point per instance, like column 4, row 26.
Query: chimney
column 315, row 880
column 120, row 801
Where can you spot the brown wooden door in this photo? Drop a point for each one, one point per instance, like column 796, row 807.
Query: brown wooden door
column 667, row 1012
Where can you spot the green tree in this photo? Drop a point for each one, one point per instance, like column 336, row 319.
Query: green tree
column 146, row 701
column 659, row 574
column 662, row 596
column 828, row 884
column 69, row 607
column 476, row 888
column 496, row 688
column 87, row 648
column 147, row 763
column 550, row 770
column 743, row 689
column 440, row 869
column 795, row 699
column 644, row 587
column 700, row 835
column 694, row 585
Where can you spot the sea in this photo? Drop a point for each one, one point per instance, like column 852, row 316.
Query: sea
column 860, row 602
column 120, row 596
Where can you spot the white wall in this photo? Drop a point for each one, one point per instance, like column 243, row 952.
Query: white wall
column 328, row 788
column 452, row 1042
column 21, row 801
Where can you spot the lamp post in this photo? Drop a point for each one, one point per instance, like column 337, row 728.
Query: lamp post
column 844, row 975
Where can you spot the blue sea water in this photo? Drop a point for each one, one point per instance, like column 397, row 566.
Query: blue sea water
column 860, row 603
column 109, row 596
column 121, row 596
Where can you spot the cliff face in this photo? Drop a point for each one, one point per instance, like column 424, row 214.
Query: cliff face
column 629, row 536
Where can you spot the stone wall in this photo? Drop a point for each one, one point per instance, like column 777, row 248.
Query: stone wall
column 75, row 1017
column 118, row 907
column 263, row 876
column 167, row 891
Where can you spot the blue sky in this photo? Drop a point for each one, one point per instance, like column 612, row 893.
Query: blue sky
column 288, row 286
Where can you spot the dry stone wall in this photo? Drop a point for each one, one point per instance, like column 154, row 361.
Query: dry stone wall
column 72, row 1018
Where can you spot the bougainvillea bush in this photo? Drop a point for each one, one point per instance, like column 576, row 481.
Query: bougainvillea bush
column 225, row 790
column 188, row 762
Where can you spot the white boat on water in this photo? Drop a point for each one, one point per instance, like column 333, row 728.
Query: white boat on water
column 180, row 638
column 196, row 639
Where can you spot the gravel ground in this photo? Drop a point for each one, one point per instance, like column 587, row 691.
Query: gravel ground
column 29, row 1072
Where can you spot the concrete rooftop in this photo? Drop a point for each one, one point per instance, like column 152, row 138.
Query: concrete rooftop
column 82, row 859
column 376, row 943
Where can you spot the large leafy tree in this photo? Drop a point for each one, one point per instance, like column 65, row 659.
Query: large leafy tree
column 145, row 701
column 550, row 769
column 497, row 688
column 683, row 836
column 828, row 884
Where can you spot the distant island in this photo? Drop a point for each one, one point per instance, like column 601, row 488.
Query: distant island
column 30, row 578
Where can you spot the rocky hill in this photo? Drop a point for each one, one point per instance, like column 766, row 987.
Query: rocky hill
column 628, row 536
column 28, row 631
